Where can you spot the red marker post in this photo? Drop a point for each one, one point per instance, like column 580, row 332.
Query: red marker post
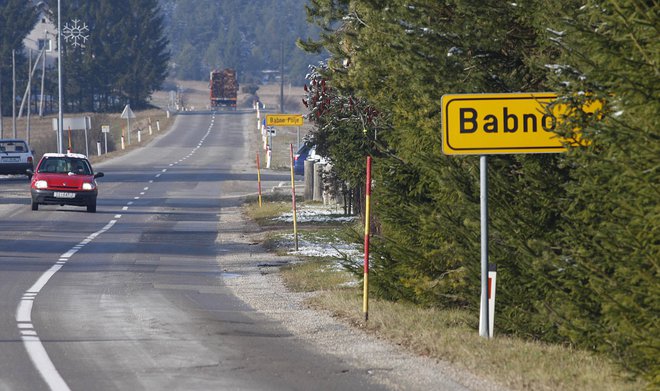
column 367, row 229
column 293, row 199
column 259, row 178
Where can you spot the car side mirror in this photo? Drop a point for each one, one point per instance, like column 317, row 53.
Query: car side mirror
column 29, row 171
column 99, row 175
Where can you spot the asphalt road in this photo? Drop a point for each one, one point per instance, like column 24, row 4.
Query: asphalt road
column 133, row 297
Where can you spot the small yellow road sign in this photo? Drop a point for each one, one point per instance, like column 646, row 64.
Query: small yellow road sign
column 284, row 120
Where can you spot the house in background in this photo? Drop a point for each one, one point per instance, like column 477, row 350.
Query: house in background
column 43, row 35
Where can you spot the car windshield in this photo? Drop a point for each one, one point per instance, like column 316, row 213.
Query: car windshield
column 64, row 165
column 13, row 146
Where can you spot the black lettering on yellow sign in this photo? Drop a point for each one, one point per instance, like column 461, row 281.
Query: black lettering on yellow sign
column 470, row 122
column 284, row 120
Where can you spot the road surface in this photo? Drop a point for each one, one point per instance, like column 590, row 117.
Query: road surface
column 134, row 296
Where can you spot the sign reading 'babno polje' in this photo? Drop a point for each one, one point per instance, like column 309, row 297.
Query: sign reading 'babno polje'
column 481, row 124
column 284, row 120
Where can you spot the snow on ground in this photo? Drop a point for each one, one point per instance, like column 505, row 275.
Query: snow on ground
column 316, row 214
column 322, row 246
column 308, row 247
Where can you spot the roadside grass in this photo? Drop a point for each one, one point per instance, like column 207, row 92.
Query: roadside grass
column 319, row 275
column 43, row 139
column 273, row 204
column 447, row 335
column 442, row 334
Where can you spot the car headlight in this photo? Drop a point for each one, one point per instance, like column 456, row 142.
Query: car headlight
column 88, row 186
column 41, row 184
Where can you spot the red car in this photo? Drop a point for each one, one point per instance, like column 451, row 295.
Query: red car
column 64, row 179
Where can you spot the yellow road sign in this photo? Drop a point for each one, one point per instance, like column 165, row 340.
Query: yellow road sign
column 482, row 124
column 284, row 120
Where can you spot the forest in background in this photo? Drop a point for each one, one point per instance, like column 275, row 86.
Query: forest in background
column 248, row 36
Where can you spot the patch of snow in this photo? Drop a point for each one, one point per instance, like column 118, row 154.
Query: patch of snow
column 454, row 51
column 335, row 249
column 555, row 32
column 317, row 214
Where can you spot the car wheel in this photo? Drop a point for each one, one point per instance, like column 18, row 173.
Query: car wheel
column 35, row 206
column 91, row 208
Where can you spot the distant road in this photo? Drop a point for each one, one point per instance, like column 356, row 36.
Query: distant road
column 133, row 296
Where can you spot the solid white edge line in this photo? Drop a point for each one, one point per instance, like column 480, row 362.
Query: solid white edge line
column 31, row 341
column 44, row 365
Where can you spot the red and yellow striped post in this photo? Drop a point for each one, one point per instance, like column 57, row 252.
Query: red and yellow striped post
column 367, row 224
column 259, row 178
column 293, row 199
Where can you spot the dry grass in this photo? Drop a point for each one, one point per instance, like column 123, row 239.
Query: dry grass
column 319, row 275
column 450, row 335
column 43, row 139
column 263, row 215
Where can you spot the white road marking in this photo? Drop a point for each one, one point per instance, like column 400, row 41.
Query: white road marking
column 29, row 336
column 35, row 349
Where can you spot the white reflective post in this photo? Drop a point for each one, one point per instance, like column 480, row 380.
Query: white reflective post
column 483, row 318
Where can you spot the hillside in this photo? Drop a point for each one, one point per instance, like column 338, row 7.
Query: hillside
column 245, row 35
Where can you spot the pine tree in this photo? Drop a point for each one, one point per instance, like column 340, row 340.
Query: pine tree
column 562, row 227
column 146, row 56
column 610, row 295
column 17, row 18
column 124, row 59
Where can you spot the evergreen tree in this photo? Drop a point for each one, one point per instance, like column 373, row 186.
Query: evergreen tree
column 124, row 59
column 562, row 227
column 608, row 264
column 17, row 18
column 146, row 55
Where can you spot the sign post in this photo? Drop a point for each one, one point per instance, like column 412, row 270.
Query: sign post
column 293, row 199
column 483, row 179
column 273, row 120
column 487, row 124
column 76, row 123
column 127, row 114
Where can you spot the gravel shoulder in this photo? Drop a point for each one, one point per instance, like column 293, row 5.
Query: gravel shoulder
column 256, row 281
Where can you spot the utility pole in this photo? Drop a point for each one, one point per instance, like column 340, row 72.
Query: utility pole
column 60, row 119
column 2, row 129
column 13, row 93
column 29, row 95
column 43, row 76
column 282, row 76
